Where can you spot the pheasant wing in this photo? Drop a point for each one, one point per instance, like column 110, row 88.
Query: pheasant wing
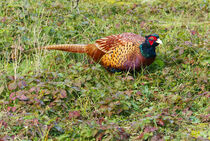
column 131, row 37
column 109, row 43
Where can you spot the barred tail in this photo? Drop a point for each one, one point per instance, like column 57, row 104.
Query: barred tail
column 75, row 48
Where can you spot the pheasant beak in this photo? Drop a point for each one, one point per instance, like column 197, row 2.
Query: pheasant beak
column 159, row 41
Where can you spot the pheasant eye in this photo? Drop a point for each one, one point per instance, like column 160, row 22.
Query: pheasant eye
column 153, row 38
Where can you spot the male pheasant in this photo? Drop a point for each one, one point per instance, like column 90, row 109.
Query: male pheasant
column 122, row 52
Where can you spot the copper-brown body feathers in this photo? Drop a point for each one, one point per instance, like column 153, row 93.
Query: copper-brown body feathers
column 115, row 52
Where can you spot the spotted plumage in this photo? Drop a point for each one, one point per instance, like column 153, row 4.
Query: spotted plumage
column 122, row 52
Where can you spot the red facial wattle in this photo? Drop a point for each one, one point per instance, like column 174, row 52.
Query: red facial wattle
column 152, row 39
column 151, row 42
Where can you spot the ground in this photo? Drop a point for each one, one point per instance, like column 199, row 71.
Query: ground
column 52, row 95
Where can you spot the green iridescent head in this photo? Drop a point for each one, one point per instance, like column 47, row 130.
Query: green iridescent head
column 148, row 47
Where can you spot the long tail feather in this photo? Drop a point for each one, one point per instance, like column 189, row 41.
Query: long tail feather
column 76, row 48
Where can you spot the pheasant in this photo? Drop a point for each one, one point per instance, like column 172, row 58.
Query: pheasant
column 122, row 52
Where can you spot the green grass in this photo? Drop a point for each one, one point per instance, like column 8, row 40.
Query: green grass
column 52, row 95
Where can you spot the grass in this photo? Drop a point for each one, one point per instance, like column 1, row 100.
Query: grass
column 52, row 95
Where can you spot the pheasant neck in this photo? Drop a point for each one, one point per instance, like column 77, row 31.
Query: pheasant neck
column 147, row 51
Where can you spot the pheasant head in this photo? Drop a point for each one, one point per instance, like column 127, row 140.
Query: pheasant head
column 148, row 47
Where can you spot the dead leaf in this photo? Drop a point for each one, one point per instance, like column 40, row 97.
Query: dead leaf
column 142, row 24
column 140, row 136
column 63, row 94
column 128, row 78
column 3, row 124
column 149, row 129
column 74, row 114
column 128, row 92
column 189, row 43
column 22, row 84
column 12, row 96
column 157, row 138
column 3, row 19
column 160, row 122
column 22, row 97
column 181, row 51
column 11, row 77
column 13, row 109
column 12, row 86
column 117, row 26
column 139, row 93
